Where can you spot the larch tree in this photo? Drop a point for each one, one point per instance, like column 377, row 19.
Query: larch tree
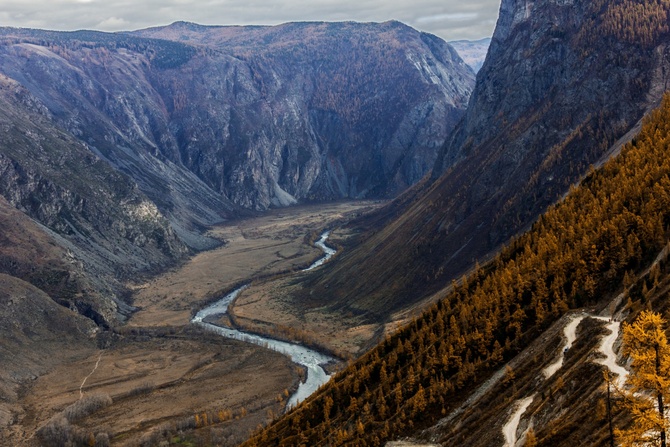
column 646, row 343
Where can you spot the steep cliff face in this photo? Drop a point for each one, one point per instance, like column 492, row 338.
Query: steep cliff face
column 322, row 110
column 102, row 96
column 562, row 82
column 109, row 229
column 250, row 117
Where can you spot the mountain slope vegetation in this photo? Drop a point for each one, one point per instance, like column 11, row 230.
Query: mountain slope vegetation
column 605, row 231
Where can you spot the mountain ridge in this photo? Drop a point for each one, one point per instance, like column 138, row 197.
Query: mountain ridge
column 604, row 248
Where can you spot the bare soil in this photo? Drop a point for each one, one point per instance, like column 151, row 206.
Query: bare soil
column 164, row 382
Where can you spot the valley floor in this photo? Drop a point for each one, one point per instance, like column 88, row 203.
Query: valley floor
column 166, row 377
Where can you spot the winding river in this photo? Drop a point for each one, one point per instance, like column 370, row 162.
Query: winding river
column 328, row 252
column 309, row 358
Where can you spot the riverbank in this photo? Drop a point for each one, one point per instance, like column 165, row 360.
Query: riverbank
column 313, row 361
column 225, row 387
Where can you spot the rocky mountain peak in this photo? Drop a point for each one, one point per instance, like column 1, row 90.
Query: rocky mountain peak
column 184, row 126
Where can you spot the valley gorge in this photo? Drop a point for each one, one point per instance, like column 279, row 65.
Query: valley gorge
column 489, row 231
column 539, row 117
column 193, row 134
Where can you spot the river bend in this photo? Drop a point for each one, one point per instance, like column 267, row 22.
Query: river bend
column 309, row 358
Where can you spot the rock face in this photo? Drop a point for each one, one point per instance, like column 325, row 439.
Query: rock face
column 104, row 227
column 321, row 110
column 563, row 81
column 252, row 116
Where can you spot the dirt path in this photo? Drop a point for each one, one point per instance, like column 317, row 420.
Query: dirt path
column 607, row 348
column 81, row 387
column 510, row 428
column 570, row 335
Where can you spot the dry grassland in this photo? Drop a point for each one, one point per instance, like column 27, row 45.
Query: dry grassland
column 273, row 243
column 160, row 382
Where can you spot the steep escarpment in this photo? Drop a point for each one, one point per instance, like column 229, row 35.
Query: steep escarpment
column 607, row 238
column 357, row 110
column 559, row 88
column 79, row 205
column 95, row 86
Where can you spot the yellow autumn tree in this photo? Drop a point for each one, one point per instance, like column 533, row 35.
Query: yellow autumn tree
column 647, row 345
column 531, row 439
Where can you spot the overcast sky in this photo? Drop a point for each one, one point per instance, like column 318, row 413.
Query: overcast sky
column 449, row 19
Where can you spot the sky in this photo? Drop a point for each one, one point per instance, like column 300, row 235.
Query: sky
column 448, row 19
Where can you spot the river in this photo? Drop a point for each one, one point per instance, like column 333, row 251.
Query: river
column 328, row 252
column 309, row 358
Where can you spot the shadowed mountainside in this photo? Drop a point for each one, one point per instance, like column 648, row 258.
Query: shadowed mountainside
column 96, row 221
column 368, row 104
column 608, row 238
column 270, row 116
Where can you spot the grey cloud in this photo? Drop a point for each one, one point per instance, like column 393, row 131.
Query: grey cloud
column 449, row 19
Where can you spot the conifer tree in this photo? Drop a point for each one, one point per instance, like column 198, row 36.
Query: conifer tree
column 647, row 345
column 531, row 439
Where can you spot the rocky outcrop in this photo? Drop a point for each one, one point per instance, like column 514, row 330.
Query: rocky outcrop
column 321, row 110
column 110, row 229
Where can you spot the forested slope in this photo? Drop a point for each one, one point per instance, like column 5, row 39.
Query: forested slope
column 580, row 250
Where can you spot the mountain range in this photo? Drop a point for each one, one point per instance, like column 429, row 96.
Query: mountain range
column 540, row 116
column 126, row 146
column 473, row 52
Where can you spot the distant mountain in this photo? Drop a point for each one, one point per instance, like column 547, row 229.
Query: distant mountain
column 473, row 52
column 126, row 146
column 250, row 117
column 339, row 109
